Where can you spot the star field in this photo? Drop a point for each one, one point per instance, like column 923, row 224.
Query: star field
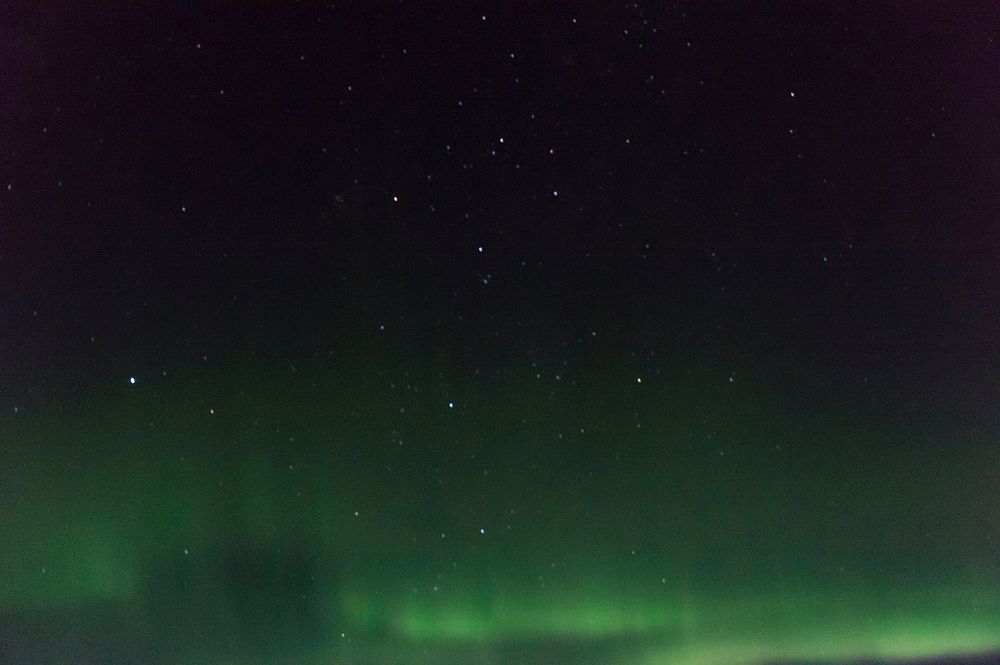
column 620, row 333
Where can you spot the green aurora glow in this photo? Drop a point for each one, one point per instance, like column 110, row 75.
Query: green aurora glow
column 254, row 545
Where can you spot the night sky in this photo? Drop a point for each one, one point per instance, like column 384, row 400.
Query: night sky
column 416, row 333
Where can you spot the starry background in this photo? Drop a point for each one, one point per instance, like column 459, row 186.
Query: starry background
column 507, row 333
